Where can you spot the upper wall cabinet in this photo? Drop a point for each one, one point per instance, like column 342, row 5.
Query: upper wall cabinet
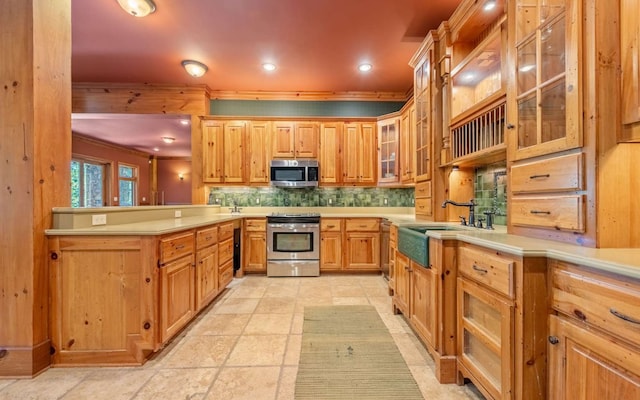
column 630, row 46
column 545, row 95
column 224, row 148
column 388, row 151
column 295, row 139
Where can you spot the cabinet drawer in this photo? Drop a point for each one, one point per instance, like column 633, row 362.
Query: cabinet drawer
column 551, row 175
column 255, row 225
column 362, row 225
column 423, row 206
column 225, row 231
column 174, row 247
column 225, row 274
column 560, row 212
column 603, row 302
column 206, row 237
column 330, row 225
column 488, row 268
column 423, row 189
column 225, row 250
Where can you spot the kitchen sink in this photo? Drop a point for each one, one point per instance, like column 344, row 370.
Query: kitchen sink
column 413, row 243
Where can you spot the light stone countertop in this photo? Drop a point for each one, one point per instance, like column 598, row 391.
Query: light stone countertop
column 625, row 262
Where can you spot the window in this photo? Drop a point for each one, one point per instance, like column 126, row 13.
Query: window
column 127, row 184
column 88, row 183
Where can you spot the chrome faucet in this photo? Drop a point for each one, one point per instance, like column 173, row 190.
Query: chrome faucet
column 472, row 209
column 235, row 209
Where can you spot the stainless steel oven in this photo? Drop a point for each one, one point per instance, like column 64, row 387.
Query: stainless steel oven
column 293, row 245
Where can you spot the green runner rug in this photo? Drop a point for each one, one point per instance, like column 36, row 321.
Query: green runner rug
column 348, row 353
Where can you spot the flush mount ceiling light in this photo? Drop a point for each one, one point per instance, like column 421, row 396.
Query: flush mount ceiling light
column 194, row 68
column 365, row 67
column 138, row 8
column 269, row 67
column 489, row 5
column 168, row 139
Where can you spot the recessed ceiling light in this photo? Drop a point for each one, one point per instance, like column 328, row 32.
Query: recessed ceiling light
column 365, row 67
column 155, row 149
column 168, row 139
column 138, row 8
column 269, row 67
column 489, row 5
column 184, row 122
column 194, row 68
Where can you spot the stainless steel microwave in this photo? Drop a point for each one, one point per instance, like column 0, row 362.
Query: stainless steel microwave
column 294, row 173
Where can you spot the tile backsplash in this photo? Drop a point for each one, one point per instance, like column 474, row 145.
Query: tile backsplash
column 311, row 197
column 490, row 189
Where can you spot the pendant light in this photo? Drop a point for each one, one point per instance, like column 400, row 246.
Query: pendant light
column 138, row 8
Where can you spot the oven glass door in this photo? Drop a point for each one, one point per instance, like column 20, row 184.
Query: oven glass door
column 288, row 242
column 288, row 174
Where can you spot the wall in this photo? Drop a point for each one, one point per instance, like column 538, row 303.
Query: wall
column 175, row 190
column 292, row 108
column 490, row 191
column 311, row 197
column 82, row 146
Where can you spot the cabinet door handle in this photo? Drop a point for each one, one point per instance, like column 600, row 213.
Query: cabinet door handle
column 539, row 176
column 623, row 316
column 540, row 212
column 480, row 270
column 331, row 226
column 180, row 247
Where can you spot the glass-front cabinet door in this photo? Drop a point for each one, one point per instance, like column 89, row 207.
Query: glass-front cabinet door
column 422, row 81
column 545, row 100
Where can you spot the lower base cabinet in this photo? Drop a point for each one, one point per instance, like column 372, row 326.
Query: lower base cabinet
column 423, row 301
column 117, row 299
column 176, row 296
column 594, row 335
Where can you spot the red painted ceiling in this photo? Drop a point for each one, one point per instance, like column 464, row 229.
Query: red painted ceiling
column 316, row 44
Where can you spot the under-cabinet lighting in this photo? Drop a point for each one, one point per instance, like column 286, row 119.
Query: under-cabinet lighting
column 184, row 122
column 138, row 8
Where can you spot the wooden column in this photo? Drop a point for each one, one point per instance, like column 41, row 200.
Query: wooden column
column 35, row 152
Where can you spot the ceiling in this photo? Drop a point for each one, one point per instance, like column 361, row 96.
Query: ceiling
column 315, row 44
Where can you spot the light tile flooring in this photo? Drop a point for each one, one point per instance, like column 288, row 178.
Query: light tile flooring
column 245, row 345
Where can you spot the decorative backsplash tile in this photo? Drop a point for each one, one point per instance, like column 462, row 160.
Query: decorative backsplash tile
column 311, row 197
column 490, row 188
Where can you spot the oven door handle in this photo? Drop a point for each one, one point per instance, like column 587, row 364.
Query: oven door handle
column 281, row 226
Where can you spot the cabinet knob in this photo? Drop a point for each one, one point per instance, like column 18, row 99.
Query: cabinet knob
column 554, row 340
column 510, row 126
column 146, row 326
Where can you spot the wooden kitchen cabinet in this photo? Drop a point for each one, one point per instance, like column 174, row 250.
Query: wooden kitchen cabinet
column 225, row 254
column 331, row 234
column 408, row 143
column 330, row 153
column 103, row 299
column 206, row 266
column 295, row 139
column 359, row 149
column 177, row 292
column 594, row 334
column 422, row 305
column 362, row 236
column 224, row 151
column 500, row 321
column 402, row 284
column 255, row 245
column 259, row 152
column 389, row 150
column 393, row 247
column 545, row 99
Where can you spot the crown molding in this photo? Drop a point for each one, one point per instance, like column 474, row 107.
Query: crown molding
column 308, row 96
